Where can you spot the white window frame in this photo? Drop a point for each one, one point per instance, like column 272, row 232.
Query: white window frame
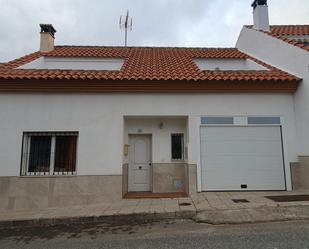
column 26, row 151
column 240, row 121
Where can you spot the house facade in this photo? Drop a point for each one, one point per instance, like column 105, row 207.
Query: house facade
column 82, row 124
column 285, row 47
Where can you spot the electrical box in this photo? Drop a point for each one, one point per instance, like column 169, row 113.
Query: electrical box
column 126, row 150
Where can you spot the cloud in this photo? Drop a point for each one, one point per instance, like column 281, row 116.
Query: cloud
column 289, row 12
column 201, row 23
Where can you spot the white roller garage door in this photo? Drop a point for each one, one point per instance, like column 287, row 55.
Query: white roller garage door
column 242, row 158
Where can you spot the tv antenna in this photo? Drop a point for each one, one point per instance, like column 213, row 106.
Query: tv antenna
column 125, row 22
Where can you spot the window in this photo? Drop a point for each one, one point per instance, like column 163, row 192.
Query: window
column 177, row 146
column 240, row 120
column 49, row 153
column 39, row 154
column 217, row 120
column 264, row 120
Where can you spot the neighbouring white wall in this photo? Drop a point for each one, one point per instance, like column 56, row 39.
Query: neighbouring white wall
column 99, row 118
column 290, row 59
column 73, row 63
column 161, row 137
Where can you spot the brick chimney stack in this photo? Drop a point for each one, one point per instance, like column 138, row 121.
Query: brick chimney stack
column 47, row 42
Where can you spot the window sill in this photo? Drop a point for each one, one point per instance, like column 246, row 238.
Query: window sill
column 47, row 176
column 178, row 161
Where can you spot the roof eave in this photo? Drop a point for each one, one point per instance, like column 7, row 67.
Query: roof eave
column 154, row 86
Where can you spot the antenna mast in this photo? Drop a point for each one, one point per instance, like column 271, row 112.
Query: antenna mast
column 125, row 22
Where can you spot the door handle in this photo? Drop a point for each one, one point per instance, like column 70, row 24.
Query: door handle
column 150, row 164
column 140, row 167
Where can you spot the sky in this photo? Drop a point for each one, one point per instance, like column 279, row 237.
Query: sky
column 171, row 23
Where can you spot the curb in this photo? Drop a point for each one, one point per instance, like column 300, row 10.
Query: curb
column 118, row 219
column 214, row 217
column 253, row 215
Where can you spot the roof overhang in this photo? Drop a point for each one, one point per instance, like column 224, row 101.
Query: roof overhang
column 155, row 86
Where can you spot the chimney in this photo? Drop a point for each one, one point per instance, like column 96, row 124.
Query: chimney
column 260, row 15
column 47, row 43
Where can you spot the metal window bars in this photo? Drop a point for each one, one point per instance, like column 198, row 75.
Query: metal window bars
column 49, row 153
column 177, row 146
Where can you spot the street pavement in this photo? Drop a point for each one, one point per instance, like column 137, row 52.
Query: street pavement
column 209, row 207
column 184, row 234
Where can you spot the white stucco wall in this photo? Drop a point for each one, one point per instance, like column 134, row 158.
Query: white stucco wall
column 99, row 119
column 290, row 59
column 161, row 137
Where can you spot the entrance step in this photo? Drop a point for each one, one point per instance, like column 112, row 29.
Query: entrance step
column 150, row 195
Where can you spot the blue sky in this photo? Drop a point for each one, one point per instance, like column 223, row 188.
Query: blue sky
column 184, row 23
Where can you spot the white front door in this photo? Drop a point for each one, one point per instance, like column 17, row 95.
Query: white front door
column 139, row 163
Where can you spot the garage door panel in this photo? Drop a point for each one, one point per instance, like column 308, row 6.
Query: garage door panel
column 234, row 181
column 222, row 183
column 232, row 156
column 219, row 163
column 243, row 148
column 235, row 133
column 243, row 159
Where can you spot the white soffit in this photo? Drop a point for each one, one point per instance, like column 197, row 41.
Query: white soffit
column 228, row 65
column 74, row 63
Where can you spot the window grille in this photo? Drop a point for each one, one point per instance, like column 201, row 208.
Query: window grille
column 47, row 153
column 177, row 142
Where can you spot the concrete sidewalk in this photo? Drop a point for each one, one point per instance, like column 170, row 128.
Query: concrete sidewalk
column 219, row 208
column 214, row 208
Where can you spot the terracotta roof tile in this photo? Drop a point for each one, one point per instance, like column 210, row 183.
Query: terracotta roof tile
column 144, row 63
column 283, row 32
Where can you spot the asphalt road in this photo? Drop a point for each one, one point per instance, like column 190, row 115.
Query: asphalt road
column 160, row 235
